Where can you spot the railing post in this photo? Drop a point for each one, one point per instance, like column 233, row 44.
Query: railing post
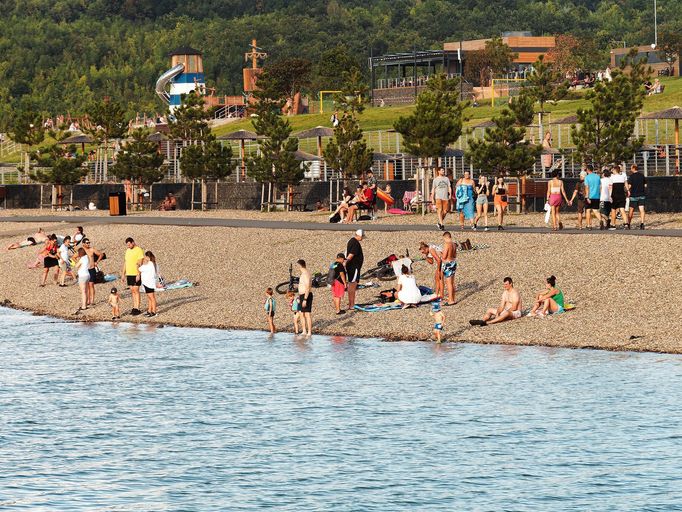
column 667, row 157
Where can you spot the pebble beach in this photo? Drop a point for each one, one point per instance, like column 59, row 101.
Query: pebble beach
column 624, row 287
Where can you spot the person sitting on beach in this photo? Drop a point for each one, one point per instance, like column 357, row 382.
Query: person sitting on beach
column 509, row 309
column 342, row 209
column 549, row 301
column 408, row 292
column 433, row 256
column 354, row 204
column 24, row 243
column 169, row 203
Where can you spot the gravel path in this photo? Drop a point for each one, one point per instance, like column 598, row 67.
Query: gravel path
column 623, row 285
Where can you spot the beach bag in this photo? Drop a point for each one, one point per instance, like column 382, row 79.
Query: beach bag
column 99, row 276
column 365, row 217
column 335, row 218
column 387, row 296
column 331, row 275
column 387, row 260
column 548, row 213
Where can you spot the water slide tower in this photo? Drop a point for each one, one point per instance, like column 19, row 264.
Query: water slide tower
column 186, row 74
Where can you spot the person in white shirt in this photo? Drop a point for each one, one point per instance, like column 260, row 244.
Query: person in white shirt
column 147, row 273
column 64, row 260
column 407, row 292
column 618, row 195
column 305, row 296
column 605, row 199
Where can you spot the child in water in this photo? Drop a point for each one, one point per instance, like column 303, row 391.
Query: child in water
column 270, row 306
column 295, row 305
column 115, row 303
column 438, row 320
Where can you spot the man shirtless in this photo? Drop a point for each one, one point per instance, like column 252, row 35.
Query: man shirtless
column 305, row 296
column 510, row 307
column 449, row 267
column 93, row 257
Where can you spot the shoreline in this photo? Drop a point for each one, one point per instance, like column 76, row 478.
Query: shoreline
column 621, row 284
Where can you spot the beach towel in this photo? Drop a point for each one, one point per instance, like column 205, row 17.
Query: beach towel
column 398, row 211
column 176, row 285
column 110, row 277
column 427, row 296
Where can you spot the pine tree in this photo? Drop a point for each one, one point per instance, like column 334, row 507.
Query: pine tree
column 108, row 122
column 54, row 168
column 347, row 152
column 139, row 161
column 545, row 84
column 437, row 119
column 27, row 128
column 604, row 133
column 189, row 121
column 504, row 150
column 353, row 95
column 206, row 160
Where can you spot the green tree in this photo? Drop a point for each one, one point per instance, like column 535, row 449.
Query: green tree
column 604, row 133
column 347, row 152
column 107, row 121
column 206, row 160
column 670, row 46
column 286, row 78
column 354, row 93
column 27, row 128
column 545, row 84
column 139, row 161
column 499, row 55
column 436, row 121
column 54, row 168
column 330, row 69
column 504, row 150
column 189, row 121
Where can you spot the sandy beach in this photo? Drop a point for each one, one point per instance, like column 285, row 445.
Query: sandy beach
column 625, row 287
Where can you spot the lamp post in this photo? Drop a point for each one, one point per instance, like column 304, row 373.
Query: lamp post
column 655, row 43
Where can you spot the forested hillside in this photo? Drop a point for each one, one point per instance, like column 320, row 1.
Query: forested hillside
column 59, row 55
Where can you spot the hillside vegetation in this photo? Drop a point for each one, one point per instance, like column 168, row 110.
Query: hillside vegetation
column 59, row 55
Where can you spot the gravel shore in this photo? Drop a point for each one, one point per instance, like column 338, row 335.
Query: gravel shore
column 624, row 287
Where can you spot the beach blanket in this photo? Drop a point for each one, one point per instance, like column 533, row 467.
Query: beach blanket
column 398, row 211
column 427, row 297
column 110, row 277
column 177, row 285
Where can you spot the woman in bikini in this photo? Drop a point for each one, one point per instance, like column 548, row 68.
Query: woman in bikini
column 500, row 201
column 482, row 191
column 555, row 193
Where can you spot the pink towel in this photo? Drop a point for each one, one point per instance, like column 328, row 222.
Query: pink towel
column 398, row 211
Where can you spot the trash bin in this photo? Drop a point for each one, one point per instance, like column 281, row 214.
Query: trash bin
column 117, row 203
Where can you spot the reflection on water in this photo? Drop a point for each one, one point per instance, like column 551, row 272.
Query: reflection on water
column 133, row 417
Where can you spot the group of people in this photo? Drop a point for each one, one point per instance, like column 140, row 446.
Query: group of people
column 470, row 199
column 364, row 198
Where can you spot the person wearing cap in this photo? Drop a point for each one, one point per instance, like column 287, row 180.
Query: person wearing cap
column 579, row 196
column 338, row 282
column 353, row 262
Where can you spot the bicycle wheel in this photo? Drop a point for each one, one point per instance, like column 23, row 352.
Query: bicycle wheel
column 386, row 274
column 284, row 287
column 320, row 281
column 369, row 274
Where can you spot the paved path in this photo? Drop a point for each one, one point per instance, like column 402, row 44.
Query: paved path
column 306, row 226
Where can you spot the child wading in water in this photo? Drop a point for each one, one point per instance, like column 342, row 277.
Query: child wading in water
column 438, row 320
column 339, row 281
column 270, row 306
column 295, row 305
column 115, row 303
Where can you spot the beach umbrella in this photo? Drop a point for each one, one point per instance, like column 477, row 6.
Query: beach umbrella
column 156, row 137
column 670, row 113
column 241, row 136
column 317, row 132
column 78, row 138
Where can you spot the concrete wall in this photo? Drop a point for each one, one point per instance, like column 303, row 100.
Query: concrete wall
column 664, row 195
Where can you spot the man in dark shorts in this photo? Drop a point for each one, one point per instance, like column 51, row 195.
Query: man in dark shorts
column 305, row 296
column 636, row 186
column 94, row 257
column 579, row 198
column 132, row 261
column 592, row 194
column 354, row 260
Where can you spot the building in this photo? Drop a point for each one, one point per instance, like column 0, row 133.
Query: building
column 654, row 59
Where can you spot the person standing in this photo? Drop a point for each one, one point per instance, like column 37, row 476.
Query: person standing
column 81, row 269
column 50, row 259
column 64, row 260
column 605, row 200
column 93, row 257
column 547, row 151
column 592, row 194
column 637, row 187
column 482, row 193
column 579, row 197
column 134, row 256
column 433, row 256
column 270, row 305
column 618, row 192
column 500, row 201
column 449, row 266
column 305, row 295
column 147, row 274
column 464, row 193
column 441, row 193
column 353, row 262
column 555, row 192
column 339, row 282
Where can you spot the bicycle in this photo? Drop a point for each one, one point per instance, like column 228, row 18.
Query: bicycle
column 383, row 271
column 319, row 280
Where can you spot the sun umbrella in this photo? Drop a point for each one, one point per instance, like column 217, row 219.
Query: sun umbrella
column 670, row 113
column 241, row 136
column 79, row 138
column 317, row 132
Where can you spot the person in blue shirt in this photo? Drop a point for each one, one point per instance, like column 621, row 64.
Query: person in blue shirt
column 592, row 192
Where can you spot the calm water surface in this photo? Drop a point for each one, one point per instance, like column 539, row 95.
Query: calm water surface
column 101, row 417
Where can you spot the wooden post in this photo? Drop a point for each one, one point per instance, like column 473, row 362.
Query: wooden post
column 192, row 202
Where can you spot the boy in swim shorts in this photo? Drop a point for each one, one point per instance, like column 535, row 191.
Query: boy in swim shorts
column 269, row 307
column 438, row 320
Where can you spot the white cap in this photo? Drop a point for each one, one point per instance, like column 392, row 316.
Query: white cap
column 583, row 174
column 360, row 233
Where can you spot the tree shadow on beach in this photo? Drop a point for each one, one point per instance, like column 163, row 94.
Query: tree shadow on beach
column 168, row 305
column 471, row 288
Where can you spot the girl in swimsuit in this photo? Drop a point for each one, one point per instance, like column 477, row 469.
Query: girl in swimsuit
column 483, row 189
column 551, row 301
column 500, row 201
column 555, row 191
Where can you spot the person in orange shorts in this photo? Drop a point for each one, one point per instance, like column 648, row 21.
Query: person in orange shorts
column 441, row 193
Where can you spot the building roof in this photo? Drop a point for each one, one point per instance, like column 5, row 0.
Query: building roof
column 184, row 50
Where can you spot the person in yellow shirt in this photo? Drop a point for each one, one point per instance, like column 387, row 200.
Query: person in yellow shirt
column 130, row 273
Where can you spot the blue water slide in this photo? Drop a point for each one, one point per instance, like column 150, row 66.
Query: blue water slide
column 164, row 79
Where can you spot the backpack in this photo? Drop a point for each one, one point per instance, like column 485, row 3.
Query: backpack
column 331, row 275
column 387, row 260
column 387, row 296
column 336, row 217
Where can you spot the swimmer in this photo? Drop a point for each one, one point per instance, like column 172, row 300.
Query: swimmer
column 550, row 301
column 509, row 309
column 438, row 320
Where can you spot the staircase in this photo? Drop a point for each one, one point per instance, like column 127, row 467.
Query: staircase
column 9, row 147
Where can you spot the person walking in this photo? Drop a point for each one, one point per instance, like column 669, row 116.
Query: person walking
column 636, row 186
column 81, row 268
column 93, row 257
column 500, row 201
column 147, row 274
column 441, row 193
column 592, row 194
column 482, row 191
column 605, row 200
column 133, row 258
column 305, row 295
column 353, row 262
column 579, row 197
column 618, row 193
column 64, row 260
column 555, row 192
column 464, row 194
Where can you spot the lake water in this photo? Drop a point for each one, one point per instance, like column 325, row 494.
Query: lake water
column 128, row 418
